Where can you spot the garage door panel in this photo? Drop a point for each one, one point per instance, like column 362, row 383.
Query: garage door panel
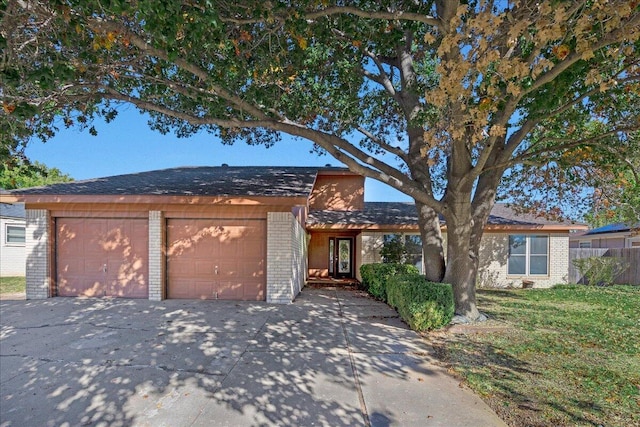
column 229, row 254
column 102, row 257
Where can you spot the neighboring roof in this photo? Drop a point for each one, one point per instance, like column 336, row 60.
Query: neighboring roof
column 611, row 228
column 12, row 210
column 405, row 214
column 225, row 181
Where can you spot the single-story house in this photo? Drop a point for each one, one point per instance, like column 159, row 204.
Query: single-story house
column 12, row 239
column 612, row 236
column 244, row 233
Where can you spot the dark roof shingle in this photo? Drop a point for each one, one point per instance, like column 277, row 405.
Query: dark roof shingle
column 12, row 210
column 612, row 228
column 225, row 181
column 398, row 213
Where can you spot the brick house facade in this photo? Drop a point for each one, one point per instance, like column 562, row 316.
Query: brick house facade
column 243, row 233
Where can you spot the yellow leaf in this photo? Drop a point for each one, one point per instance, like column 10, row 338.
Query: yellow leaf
column 302, row 42
column 8, row 108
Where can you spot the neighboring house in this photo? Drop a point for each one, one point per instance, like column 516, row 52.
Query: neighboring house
column 612, row 236
column 12, row 239
column 243, row 233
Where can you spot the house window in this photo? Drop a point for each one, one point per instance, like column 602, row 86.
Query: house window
column 405, row 248
column 584, row 245
column 528, row 255
column 15, row 235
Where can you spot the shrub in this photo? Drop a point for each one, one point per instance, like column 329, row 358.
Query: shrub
column 375, row 277
column 600, row 271
column 422, row 304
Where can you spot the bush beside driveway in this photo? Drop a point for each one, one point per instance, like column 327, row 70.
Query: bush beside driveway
column 331, row 358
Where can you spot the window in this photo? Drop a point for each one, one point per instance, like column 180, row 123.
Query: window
column 403, row 248
column 528, row 255
column 15, row 235
column 584, row 245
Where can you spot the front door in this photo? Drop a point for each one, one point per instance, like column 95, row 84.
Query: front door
column 343, row 257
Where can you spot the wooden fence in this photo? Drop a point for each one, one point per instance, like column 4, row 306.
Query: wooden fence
column 631, row 256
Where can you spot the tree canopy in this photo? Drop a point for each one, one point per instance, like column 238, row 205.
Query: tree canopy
column 454, row 103
column 20, row 173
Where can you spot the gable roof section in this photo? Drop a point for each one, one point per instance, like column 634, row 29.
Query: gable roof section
column 405, row 215
column 222, row 181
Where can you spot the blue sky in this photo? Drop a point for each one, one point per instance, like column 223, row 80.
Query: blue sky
column 127, row 145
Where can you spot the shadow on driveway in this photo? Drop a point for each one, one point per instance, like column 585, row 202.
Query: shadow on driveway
column 333, row 358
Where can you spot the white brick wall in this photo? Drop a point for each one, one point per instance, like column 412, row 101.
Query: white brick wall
column 12, row 256
column 494, row 252
column 37, row 253
column 157, row 288
column 286, row 257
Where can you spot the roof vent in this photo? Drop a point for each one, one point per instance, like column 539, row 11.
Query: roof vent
column 225, row 165
column 328, row 165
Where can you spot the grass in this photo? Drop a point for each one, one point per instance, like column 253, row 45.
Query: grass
column 9, row 285
column 565, row 356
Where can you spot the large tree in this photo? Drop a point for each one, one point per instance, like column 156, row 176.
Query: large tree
column 16, row 172
column 447, row 101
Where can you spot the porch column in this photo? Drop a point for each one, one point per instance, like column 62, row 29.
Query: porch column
column 38, row 259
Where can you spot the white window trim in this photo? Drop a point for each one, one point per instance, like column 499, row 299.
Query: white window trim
column 6, row 234
column 404, row 234
column 527, row 256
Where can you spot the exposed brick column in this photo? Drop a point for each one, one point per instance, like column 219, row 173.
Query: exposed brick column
column 157, row 289
column 37, row 246
column 285, row 250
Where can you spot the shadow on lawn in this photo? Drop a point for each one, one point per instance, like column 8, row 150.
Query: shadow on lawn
column 505, row 382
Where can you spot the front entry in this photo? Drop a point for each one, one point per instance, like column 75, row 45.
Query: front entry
column 341, row 257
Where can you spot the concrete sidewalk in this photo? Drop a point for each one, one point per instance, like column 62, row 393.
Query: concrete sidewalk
column 333, row 358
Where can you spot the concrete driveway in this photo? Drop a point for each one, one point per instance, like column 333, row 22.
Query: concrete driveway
column 333, row 358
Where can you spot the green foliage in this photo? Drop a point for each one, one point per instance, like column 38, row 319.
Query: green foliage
column 571, row 353
column 376, row 276
column 600, row 271
column 394, row 250
column 422, row 304
column 23, row 174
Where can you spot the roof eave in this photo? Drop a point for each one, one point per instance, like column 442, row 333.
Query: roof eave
column 42, row 199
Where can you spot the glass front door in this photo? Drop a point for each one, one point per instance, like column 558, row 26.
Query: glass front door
column 344, row 257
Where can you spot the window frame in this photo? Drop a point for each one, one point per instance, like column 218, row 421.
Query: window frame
column 9, row 225
column 584, row 242
column 528, row 255
column 403, row 236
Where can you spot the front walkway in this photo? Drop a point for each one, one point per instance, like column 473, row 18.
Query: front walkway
column 333, row 358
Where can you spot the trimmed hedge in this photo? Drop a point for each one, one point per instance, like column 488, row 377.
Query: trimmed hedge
column 422, row 304
column 375, row 276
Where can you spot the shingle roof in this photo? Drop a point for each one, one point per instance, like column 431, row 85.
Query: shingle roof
column 397, row 213
column 12, row 210
column 226, row 181
column 611, row 228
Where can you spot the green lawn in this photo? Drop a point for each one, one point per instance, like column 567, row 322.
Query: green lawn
column 563, row 356
column 9, row 285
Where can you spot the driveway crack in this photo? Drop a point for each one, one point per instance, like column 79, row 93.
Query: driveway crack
column 354, row 370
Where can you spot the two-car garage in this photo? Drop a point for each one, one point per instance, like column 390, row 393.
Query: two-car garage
column 205, row 258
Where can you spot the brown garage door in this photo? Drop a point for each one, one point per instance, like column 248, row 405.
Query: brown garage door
column 216, row 259
column 102, row 257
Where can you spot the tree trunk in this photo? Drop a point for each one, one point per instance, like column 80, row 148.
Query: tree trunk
column 432, row 247
column 462, row 262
